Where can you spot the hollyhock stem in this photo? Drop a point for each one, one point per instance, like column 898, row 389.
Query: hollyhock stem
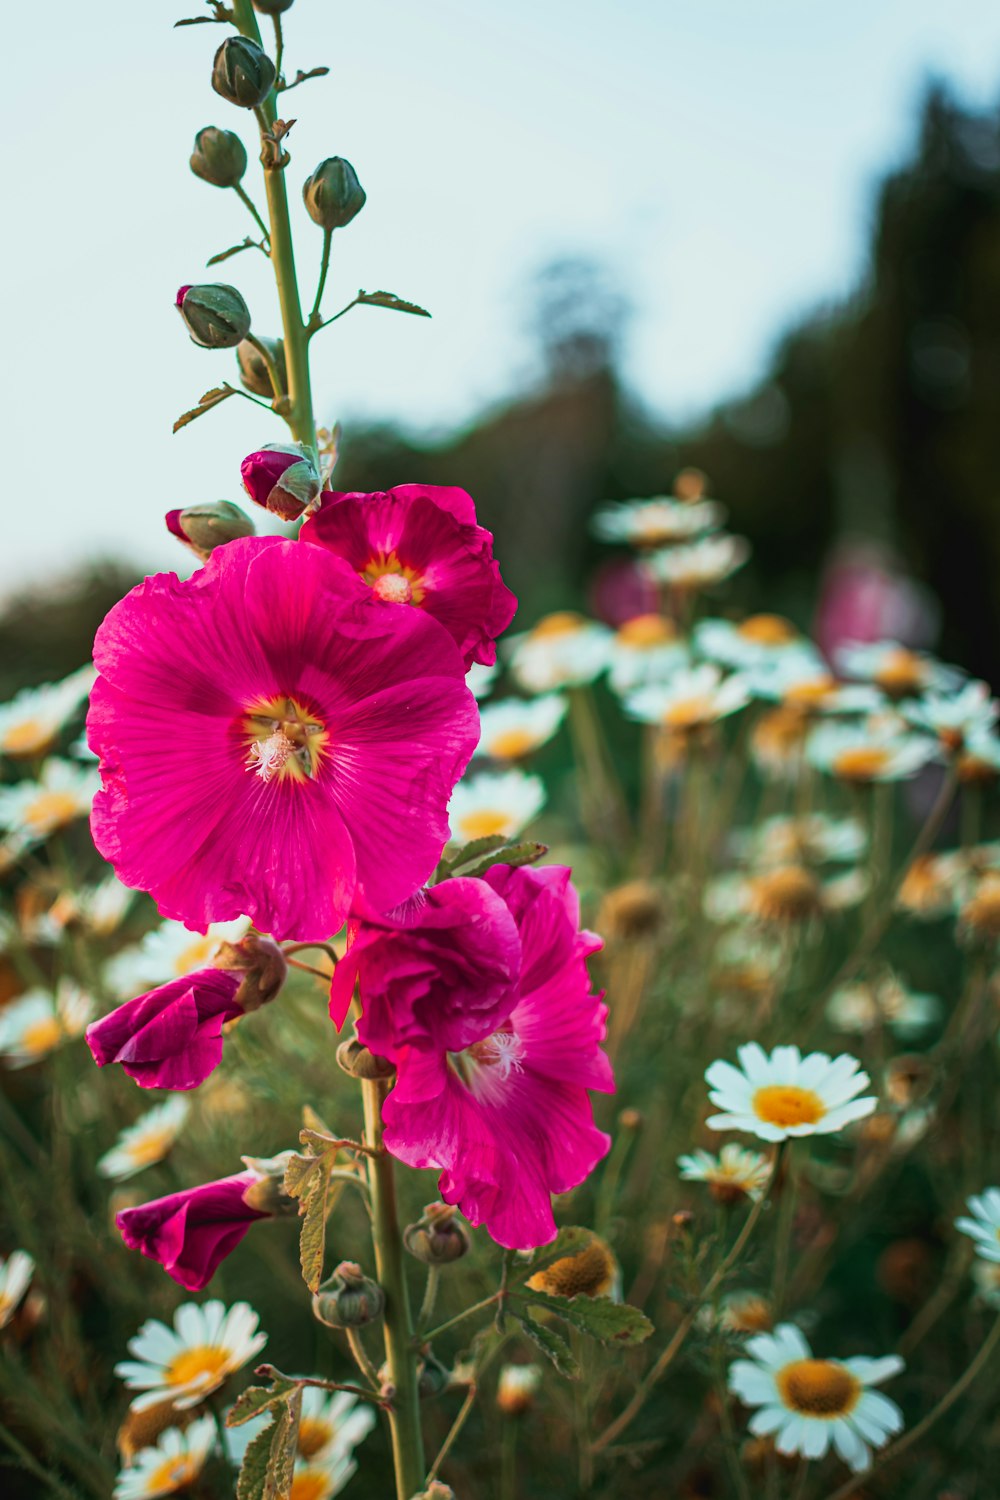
column 404, row 1417
column 300, row 415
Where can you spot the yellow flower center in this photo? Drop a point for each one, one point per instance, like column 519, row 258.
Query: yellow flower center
column 646, row 631
column 818, row 1388
column 688, row 713
column 51, row 810
column 173, row 1474
column 785, row 1104
column 41, row 1036
column 901, row 672
column 151, row 1147
column 590, row 1273
column 390, row 579
column 483, row 823
column 972, row 769
column 310, row 1484
column 767, row 630
column 778, row 735
column 196, row 955
column 202, row 1365
column 314, row 1436
column 923, row 885
column 509, row 744
column 749, row 1314
column 284, row 738
column 788, row 894
column 864, row 763
column 811, row 691
column 982, row 912
column 30, row 737
column 563, row 622
column 690, row 485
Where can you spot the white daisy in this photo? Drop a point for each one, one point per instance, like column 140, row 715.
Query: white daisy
column 657, row 522
column 480, row 680
column 31, row 810
column 735, row 1173
column 986, row 1275
column 38, row 1022
column 99, row 908
column 693, row 698
column 517, row 726
column 30, row 723
column 806, row 1404
column 169, row 952
column 172, row 1465
column 896, row 669
column 186, row 1363
column 502, row 804
column 699, row 564
column 800, row 679
column 755, row 642
column 787, row 1095
column 979, row 758
column 861, row 753
column 147, row 1141
column 814, row 839
column 645, row 649
column 783, row 895
column 15, row 1275
column 562, row 650
column 984, row 1226
column 889, row 1002
column 516, row 1388
column 955, row 718
column 333, row 1424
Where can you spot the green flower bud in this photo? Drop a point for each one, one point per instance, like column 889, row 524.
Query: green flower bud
column 357, row 1061
column 333, row 194
column 219, row 157
column 262, row 964
column 349, row 1299
column 438, row 1237
column 267, row 1195
column 242, row 72
column 215, row 315
column 253, row 370
column 271, row 7
column 205, row 527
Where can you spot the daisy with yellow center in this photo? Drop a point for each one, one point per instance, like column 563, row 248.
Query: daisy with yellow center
column 816, row 839
column 645, row 649
column 169, row 952
column 184, row 1364
column 896, row 669
column 173, row 1464
column 30, row 723
column 808, row 1404
column 863, row 754
column 983, row 1225
column 800, row 679
column 754, row 643
column 699, row 564
column 500, row 805
column 657, row 522
column 928, row 887
column 38, row 1022
column 562, row 650
column 955, row 718
column 32, row 810
column 516, row 1389
column 515, row 727
column 146, row 1142
column 788, row 895
column 692, row 700
column 331, row 1426
column 861, row 1007
column 979, row 915
column 15, row 1276
column 785, row 1095
column 734, row 1174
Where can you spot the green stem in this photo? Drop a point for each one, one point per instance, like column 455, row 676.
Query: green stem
column 315, row 321
column 404, row 1417
column 786, row 1219
column 279, row 46
column 246, row 199
column 300, row 415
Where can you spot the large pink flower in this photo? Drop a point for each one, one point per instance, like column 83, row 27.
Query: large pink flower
column 170, row 1038
column 508, row 1119
column 442, row 969
column 273, row 742
column 420, row 544
column 190, row 1232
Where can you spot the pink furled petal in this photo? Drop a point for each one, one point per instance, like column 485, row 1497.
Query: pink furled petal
column 182, row 813
column 191, row 1232
column 442, row 968
column 170, row 1038
column 173, row 521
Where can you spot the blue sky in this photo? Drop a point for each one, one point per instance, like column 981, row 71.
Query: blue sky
column 720, row 156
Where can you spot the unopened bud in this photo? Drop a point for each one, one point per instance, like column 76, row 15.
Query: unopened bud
column 214, row 314
column 432, row 1378
column 516, row 1389
column 267, row 1195
column 284, row 480
column 332, row 194
column 205, row 527
column 358, row 1062
column 219, row 157
column 349, row 1299
column 242, row 72
column 262, row 964
column 272, row 7
column 254, row 373
column 438, row 1237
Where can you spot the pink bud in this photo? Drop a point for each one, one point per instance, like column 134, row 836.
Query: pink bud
column 179, row 299
column 283, row 480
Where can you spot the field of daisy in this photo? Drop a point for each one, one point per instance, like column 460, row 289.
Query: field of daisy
column 458, row 1056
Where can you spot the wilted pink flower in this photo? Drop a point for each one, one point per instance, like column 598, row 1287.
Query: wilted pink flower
column 170, row 1038
column 507, row 1119
column 284, row 480
column 191, row 1232
column 420, row 544
column 272, row 742
column 441, row 970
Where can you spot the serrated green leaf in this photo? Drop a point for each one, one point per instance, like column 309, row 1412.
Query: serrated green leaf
column 512, row 854
column 196, row 21
column 312, row 1121
column 475, row 849
column 390, row 300
column 598, row 1317
column 284, row 1444
column 552, row 1346
column 210, row 399
column 253, row 1470
column 298, row 1170
column 570, row 1240
column 256, row 1399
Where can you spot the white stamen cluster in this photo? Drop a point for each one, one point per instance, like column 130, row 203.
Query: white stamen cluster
column 267, row 757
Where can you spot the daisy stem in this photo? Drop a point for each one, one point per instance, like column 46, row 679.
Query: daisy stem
column 300, row 413
column 786, row 1164
column 934, row 1415
column 360, row 1354
column 401, row 1356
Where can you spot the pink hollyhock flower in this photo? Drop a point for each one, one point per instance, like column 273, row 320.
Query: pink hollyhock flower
column 272, row 743
column 191, row 1232
column 507, row 1119
column 441, row 969
column 420, row 544
column 170, row 1038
